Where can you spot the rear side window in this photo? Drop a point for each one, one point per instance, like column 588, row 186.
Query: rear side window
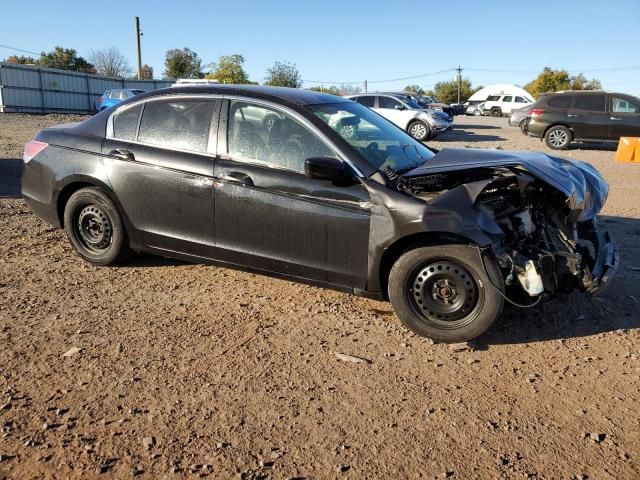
column 182, row 124
column 589, row 102
column 622, row 105
column 125, row 123
column 367, row 101
column 493, row 98
column 560, row 101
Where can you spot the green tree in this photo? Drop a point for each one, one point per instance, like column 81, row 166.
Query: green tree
column 182, row 63
column 22, row 60
column 147, row 72
column 65, row 59
column 415, row 89
column 229, row 69
column 283, row 74
column 555, row 80
column 447, row 92
column 580, row 82
column 331, row 89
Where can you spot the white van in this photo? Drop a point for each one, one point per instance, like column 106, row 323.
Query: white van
column 499, row 105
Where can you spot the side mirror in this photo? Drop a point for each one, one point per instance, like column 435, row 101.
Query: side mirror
column 324, row 168
column 399, row 106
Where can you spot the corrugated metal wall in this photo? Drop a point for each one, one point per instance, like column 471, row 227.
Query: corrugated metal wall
column 31, row 89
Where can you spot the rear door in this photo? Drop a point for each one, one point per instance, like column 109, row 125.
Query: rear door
column 270, row 216
column 588, row 117
column 159, row 157
column 625, row 116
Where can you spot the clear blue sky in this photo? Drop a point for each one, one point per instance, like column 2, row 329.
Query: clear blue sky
column 342, row 41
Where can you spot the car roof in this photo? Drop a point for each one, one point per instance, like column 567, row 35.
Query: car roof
column 298, row 96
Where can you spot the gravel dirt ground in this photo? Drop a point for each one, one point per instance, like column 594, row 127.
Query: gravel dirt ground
column 164, row 369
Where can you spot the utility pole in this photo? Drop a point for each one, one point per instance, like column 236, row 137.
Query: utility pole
column 459, row 81
column 365, row 86
column 138, row 35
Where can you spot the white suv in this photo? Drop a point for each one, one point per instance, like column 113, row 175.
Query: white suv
column 419, row 123
column 499, row 105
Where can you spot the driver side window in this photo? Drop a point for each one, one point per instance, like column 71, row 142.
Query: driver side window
column 387, row 102
column 261, row 134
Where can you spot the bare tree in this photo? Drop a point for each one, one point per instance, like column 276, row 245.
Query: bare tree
column 147, row 72
column 110, row 62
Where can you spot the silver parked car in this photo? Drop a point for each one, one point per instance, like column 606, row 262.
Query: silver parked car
column 519, row 116
column 474, row 107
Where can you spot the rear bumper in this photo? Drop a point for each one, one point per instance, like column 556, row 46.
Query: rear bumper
column 45, row 211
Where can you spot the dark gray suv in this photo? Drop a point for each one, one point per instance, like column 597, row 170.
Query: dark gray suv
column 583, row 116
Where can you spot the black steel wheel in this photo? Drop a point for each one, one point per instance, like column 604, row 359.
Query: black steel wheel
column 444, row 292
column 94, row 227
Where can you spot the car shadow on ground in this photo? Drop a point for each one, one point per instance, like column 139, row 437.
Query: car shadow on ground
column 144, row 260
column 459, row 134
column 609, row 147
column 475, row 127
column 10, row 171
column 578, row 315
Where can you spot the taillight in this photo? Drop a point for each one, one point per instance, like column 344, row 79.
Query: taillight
column 33, row 148
column 102, row 99
column 534, row 112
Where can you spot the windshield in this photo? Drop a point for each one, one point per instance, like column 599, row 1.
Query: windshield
column 380, row 142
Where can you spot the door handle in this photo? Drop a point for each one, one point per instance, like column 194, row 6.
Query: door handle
column 616, row 118
column 122, row 153
column 238, row 178
column 571, row 115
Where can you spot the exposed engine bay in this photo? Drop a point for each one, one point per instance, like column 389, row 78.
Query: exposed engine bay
column 551, row 242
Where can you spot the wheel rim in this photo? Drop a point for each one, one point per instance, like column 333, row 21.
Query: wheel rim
column 418, row 130
column 348, row 131
column 268, row 124
column 93, row 229
column 444, row 293
column 558, row 138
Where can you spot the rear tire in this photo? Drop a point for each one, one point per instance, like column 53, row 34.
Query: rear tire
column 443, row 292
column 558, row 137
column 496, row 112
column 419, row 130
column 94, row 227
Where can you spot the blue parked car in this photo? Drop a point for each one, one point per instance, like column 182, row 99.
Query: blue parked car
column 113, row 97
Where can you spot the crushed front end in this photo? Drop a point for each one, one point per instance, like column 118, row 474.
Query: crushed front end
column 545, row 207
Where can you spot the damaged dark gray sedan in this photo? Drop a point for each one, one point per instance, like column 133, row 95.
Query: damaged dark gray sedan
column 320, row 189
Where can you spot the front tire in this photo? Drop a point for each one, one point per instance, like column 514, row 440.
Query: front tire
column 477, row 113
column 558, row 137
column 444, row 293
column 94, row 227
column 419, row 130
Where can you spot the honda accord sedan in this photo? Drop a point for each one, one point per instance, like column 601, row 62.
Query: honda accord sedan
column 196, row 173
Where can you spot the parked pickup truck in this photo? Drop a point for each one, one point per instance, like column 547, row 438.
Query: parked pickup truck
column 499, row 105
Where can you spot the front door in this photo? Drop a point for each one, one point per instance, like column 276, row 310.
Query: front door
column 393, row 110
column 164, row 151
column 270, row 216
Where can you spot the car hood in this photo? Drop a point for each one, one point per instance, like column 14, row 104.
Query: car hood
column 580, row 182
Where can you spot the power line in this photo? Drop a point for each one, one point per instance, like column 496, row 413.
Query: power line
column 19, row 49
column 383, row 81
